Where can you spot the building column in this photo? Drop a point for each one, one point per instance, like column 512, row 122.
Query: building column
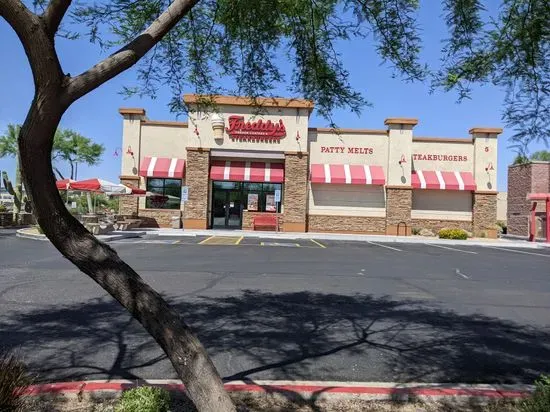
column 485, row 214
column 129, row 205
column 398, row 210
column 197, row 179
column 399, row 166
column 295, row 196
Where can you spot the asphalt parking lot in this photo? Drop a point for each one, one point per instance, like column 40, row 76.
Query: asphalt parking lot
column 286, row 309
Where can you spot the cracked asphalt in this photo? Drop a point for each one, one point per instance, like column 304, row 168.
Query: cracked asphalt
column 339, row 311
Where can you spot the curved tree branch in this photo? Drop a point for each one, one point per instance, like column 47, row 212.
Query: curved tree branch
column 130, row 54
column 54, row 14
column 31, row 30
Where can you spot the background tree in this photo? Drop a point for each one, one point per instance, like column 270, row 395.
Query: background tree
column 541, row 155
column 74, row 148
column 8, row 148
column 198, row 45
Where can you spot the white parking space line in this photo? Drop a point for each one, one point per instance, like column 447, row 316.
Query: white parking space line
column 387, row 247
column 519, row 251
column 452, row 248
column 459, row 273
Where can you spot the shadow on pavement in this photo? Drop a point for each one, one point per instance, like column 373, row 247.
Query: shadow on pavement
column 295, row 336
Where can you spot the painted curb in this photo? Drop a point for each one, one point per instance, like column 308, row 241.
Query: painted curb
column 366, row 390
column 34, row 236
column 347, row 238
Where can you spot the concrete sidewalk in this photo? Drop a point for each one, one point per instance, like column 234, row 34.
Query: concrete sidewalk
column 346, row 237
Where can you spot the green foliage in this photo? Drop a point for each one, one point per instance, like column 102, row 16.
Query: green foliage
column 74, row 148
column 542, row 155
column 453, row 234
column 144, row 399
column 13, row 375
column 540, row 400
column 415, row 230
column 8, row 141
column 3, row 208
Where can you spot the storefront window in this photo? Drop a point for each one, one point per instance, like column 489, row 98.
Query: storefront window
column 166, row 194
column 260, row 197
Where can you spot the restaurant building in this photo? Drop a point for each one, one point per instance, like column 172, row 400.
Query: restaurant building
column 233, row 168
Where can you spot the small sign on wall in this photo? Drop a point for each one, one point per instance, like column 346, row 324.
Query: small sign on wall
column 184, row 193
column 277, row 195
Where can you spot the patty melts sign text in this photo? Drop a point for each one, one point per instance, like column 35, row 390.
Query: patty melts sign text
column 348, row 150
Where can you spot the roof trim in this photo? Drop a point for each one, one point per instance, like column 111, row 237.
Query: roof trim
column 348, row 131
column 401, row 120
column 443, row 140
column 132, row 110
column 246, row 101
column 490, row 130
column 164, row 123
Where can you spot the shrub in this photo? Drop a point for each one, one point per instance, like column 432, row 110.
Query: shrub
column 415, row 231
column 453, row 234
column 540, row 400
column 3, row 208
column 144, row 399
column 13, row 375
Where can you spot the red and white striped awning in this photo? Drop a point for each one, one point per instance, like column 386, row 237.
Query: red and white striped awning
column 347, row 174
column 162, row 167
column 429, row 179
column 239, row 171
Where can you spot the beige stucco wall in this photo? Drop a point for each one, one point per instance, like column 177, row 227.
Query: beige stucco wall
column 464, row 153
column 502, row 206
column 348, row 148
column 399, row 146
column 441, row 205
column 485, row 153
column 294, row 119
column 131, row 137
column 347, row 200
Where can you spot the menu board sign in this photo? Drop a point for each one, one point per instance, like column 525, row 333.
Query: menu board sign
column 270, row 203
column 252, row 201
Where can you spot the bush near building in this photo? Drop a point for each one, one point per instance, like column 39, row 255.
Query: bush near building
column 453, row 234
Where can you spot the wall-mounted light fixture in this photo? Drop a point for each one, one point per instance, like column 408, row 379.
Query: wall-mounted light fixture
column 489, row 167
column 402, row 160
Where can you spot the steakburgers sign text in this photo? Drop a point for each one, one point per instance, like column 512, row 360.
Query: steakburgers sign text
column 259, row 130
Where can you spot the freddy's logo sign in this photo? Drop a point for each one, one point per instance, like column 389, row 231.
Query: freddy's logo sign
column 259, row 130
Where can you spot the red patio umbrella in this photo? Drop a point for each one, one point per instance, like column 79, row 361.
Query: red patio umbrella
column 64, row 184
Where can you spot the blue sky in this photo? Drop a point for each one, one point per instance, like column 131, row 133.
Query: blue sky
column 96, row 115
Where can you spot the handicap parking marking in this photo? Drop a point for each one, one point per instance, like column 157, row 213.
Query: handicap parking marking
column 451, row 248
column 518, row 251
column 222, row 241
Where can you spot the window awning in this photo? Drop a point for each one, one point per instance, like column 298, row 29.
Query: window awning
column 347, row 174
column 238, row 171
column 430, row 179
column 165, row 167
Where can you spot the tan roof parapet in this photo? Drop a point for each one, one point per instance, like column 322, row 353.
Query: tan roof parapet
column 131, row 110
column 401, row 120
column 246, row 101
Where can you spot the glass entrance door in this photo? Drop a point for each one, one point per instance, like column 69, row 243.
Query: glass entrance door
column 227, row 205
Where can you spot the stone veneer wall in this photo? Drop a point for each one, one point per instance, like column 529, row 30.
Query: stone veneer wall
column 196, row 178
column 295, row 196
column 485, row 214
column 128, row 205
column 157, row 217
column 522, row 180
column 398, row 209
column 346, row 224
column 248, row 216
column 436, row 225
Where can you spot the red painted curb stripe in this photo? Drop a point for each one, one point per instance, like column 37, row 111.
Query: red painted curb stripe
column 75, row 387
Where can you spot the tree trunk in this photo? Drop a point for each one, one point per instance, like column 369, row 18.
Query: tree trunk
column 58, row 173
column 72, row 169
column 104, row 266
